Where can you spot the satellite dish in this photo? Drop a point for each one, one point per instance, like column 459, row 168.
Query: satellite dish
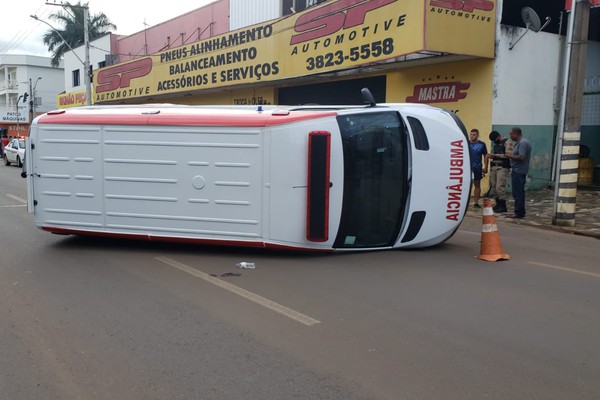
column 532, row 23
column 531, row 19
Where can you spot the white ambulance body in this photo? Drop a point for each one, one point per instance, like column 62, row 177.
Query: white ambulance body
column 320, row 179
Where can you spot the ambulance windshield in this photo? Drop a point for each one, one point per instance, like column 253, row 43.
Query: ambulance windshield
column 375, row 179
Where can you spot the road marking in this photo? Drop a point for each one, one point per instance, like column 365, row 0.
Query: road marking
column 14, row 205
column 17, row 198
column 288, row 312
column 575, row 271
column 470, row 233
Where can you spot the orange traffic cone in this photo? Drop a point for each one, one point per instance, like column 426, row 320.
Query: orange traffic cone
column 491, row 248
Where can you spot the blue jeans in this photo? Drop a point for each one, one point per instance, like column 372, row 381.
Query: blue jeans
column 518, row 190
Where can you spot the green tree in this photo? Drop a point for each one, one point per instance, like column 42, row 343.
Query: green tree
column 59, row 41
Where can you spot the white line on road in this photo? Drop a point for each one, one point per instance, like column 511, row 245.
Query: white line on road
column 17, row 198
column 470, row 233
column 14, row 205
column 295, row 315
column 575, row 271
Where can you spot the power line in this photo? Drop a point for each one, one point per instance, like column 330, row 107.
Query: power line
column 22, row 34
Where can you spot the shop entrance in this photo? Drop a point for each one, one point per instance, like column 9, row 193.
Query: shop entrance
column 334, row 93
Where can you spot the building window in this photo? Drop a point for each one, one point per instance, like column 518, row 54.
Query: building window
column 292, row 6
column 287, row 7
column 310, row 3
column 75, row 78
column 101, row 64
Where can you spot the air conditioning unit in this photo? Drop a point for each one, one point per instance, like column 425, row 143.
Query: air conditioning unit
column 111, row 59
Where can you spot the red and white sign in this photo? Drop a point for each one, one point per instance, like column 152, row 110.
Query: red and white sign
column 569, row 4
column 327, row 20
column 440, row 92
column 120, row 76
column 464, row 5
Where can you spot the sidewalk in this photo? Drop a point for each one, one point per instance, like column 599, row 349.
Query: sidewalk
column 539, row 208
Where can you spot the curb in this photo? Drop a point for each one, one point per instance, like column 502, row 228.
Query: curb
column 562, row 229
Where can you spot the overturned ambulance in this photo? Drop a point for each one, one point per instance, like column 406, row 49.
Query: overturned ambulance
column 308, row 178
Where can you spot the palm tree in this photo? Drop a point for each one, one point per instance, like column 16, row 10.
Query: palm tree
column 59, row 41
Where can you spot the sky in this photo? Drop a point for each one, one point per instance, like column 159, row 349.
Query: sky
column 21, row 34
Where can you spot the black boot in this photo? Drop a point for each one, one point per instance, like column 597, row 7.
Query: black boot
column 500, row 206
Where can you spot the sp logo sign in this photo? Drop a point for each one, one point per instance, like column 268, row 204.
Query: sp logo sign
column 120, row 76
column 464, row 5
column 342, row 14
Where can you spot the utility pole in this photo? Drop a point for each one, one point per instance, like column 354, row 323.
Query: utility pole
column 18, row 128
column 145, row 38
column 569, row 128
column 34, row 93
column 31, row 101
column 86, row 40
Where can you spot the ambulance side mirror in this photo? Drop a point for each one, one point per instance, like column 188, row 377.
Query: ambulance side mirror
column 24, row 167
column 367, row 97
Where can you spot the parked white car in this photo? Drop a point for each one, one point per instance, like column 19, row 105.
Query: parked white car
column 14, row 152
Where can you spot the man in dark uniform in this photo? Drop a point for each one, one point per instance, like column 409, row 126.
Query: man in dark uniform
column 478, row 152
column 499, row 168
column 519, row 164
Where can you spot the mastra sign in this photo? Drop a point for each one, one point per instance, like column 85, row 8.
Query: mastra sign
column 443, row 92
column 465, row 87
column 337, row 35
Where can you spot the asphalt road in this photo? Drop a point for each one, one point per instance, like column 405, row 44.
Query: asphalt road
column 87, row 318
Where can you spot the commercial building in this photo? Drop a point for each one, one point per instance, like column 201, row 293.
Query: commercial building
column 469, row 56
column 28, row 87
column 100, row 55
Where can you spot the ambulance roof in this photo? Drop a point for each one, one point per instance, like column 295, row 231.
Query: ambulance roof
column 168, row 114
